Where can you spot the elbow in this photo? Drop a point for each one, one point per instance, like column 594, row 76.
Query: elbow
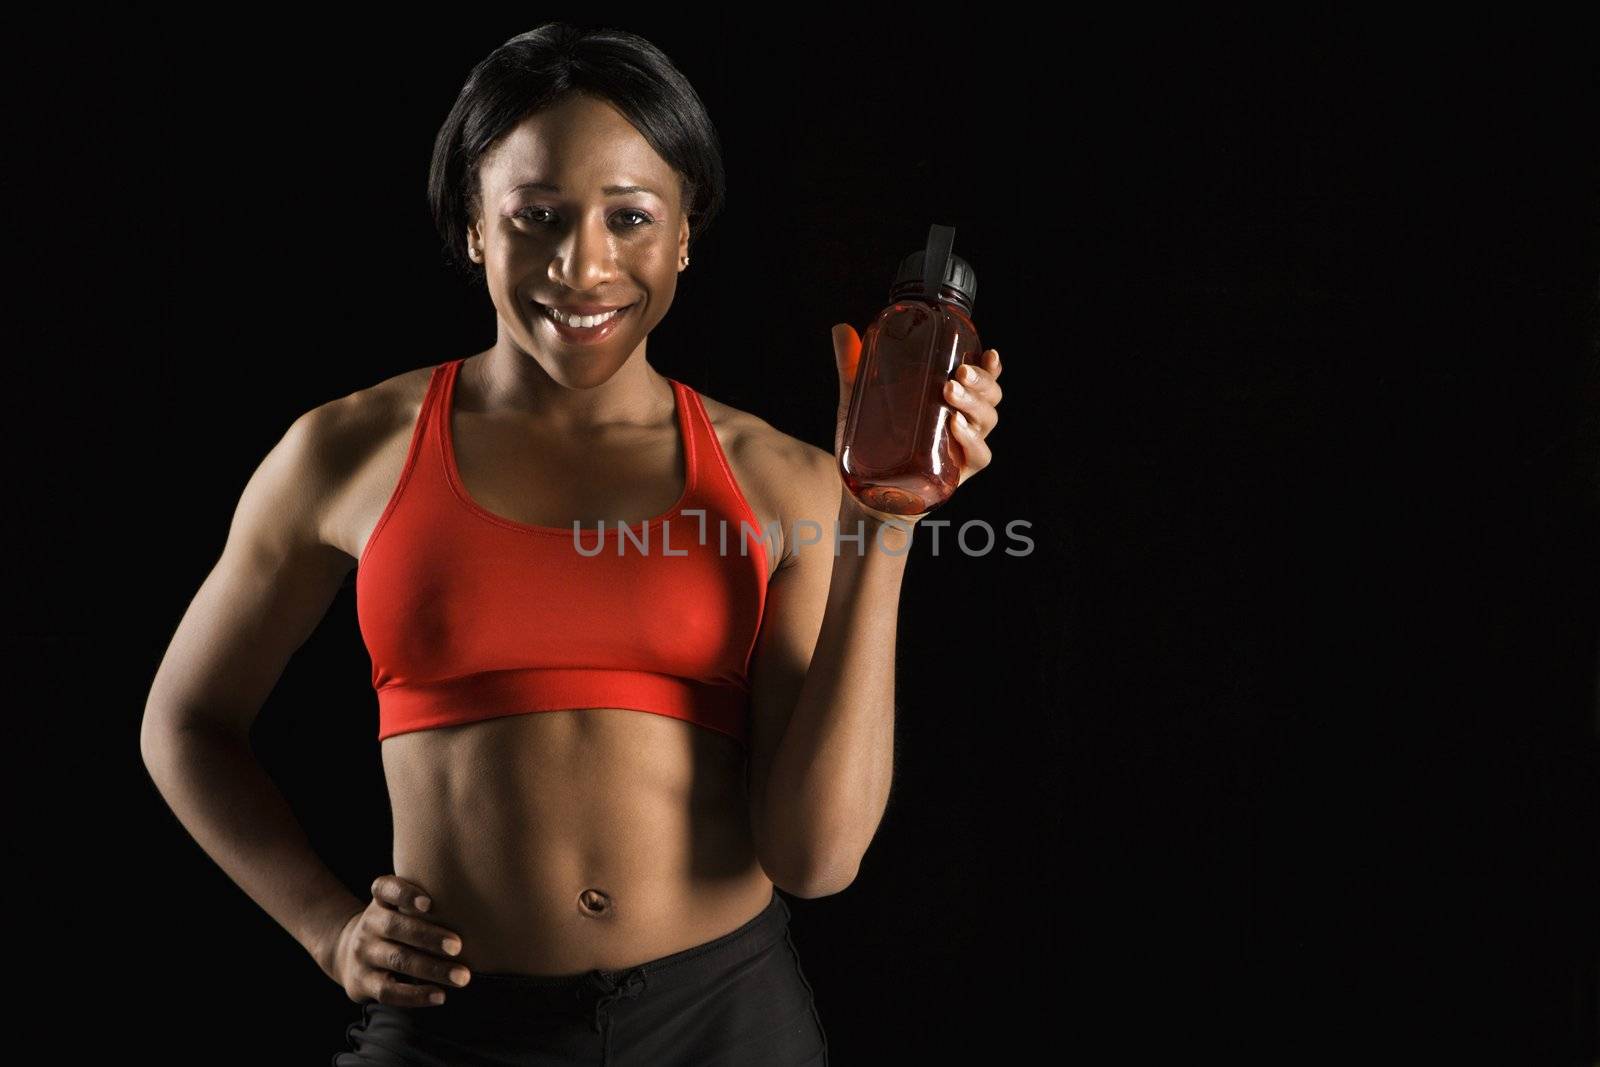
column 806, row 865
column 152, row 739
column 159, row 733
column 167, row 727
column 811, row 881
column 163, row 733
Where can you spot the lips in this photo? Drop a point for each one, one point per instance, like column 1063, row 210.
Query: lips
column 587, row 321
column 584, row 309
column 585, row 334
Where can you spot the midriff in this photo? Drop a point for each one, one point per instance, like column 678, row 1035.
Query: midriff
column 516, row 825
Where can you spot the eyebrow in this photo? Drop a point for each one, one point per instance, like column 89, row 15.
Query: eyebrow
column 609, row 190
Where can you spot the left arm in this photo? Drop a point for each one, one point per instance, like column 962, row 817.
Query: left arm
column 822, row 744
column 822, row 736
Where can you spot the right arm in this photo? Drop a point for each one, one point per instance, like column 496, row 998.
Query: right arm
column 273, row 583
column 271, row 587
column 268, row 592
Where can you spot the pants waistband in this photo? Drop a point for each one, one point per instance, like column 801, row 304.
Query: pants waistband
column 493, row 992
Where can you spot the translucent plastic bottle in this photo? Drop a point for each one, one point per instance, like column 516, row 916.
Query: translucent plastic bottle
column 899, row 454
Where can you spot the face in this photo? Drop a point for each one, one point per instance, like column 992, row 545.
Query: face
column 550, row 234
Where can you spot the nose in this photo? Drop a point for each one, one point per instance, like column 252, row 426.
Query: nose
column 584, row 258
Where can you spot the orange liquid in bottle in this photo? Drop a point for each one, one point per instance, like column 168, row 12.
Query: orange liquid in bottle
column 899, row 454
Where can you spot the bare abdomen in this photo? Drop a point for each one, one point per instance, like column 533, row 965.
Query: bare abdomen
column 559, row 842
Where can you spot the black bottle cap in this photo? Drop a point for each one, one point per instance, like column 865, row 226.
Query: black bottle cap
column 957, row 274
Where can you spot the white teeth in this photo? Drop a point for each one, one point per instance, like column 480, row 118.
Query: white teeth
column 582, row 321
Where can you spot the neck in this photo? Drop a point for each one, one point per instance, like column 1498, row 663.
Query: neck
column 507, row 378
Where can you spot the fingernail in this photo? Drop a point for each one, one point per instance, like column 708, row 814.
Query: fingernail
column 969, row 374
column 452, row 946
column 962, row 419
column 957, row 389
column 436, row 998
column 459, row 975
column 422, row 903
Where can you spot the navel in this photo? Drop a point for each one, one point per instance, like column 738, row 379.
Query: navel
column 594, row 902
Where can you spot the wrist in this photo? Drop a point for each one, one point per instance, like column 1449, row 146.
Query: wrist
column 321, row 934
column 852, row 510
column 866, row 531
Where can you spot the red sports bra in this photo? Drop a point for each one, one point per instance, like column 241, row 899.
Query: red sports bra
column 468, row 615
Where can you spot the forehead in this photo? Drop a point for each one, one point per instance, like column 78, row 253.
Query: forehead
column 580, row 144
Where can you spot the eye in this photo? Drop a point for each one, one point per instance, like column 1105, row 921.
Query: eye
column 523, row 214
column 644, row 219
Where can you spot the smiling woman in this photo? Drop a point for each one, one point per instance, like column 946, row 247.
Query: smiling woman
column 580, row 227
column 604, row 767
column 599, row 853
column 577, row 746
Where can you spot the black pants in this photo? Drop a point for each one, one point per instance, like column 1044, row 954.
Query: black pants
column 738, row 1000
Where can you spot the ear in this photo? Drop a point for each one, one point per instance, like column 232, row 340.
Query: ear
column 683, row 241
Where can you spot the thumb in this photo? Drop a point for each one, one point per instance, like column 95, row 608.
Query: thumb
column 846, row 351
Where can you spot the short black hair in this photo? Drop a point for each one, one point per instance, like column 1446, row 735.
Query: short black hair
column 542, row 67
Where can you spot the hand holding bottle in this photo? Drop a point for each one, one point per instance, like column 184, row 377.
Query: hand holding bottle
column 917, row 390
column 974, row 402
column 975, row 393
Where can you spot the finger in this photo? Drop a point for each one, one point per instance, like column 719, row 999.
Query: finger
column 387, row 989
column 846, row 351
column 976, row 380
column 979, row 412
column 994, row 362
column 403, row 960
column 397, row 892
column 430, row 937
column 972, row 444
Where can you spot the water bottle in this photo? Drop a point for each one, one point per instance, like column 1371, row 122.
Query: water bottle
column 899, row 454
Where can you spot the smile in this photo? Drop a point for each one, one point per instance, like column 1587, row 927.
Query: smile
column 581, row 320
column 584, row 329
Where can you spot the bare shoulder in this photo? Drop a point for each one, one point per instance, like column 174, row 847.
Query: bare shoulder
column 341, row 425
column 346, row 450
column 284, row 559
column 785, row 478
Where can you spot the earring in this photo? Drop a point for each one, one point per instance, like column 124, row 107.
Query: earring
column 685, row 261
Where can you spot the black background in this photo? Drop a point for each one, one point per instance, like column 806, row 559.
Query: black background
column 1280, row 746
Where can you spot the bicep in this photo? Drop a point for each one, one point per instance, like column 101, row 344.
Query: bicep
column 271, row 585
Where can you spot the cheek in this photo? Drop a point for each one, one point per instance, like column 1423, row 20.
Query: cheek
column 664, row 268
column 659, row 257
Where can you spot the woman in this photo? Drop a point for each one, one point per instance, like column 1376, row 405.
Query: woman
column 603, row 762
